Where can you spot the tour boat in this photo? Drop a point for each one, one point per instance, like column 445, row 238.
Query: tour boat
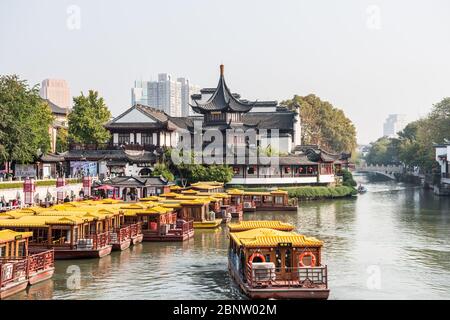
column 277, row 200
column 18, row 267
column 362, row 189
column 272, row 264
column 236, row 201
column 198, row 211
column 159, row 222
column 71, row 236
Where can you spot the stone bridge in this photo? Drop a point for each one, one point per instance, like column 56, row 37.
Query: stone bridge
column 388, row 171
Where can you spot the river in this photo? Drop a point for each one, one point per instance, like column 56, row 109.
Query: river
column 391, row 243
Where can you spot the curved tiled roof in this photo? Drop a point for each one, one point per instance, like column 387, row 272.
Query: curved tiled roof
column 222, row 100
column 10, row 235
column 263, row 237
column 248, row 225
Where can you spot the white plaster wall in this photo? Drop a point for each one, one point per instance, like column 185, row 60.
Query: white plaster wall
column 10, row 194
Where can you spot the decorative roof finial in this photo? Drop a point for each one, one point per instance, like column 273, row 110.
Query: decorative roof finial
column 221, row 69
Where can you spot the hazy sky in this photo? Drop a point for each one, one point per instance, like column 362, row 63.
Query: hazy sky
column 370, row 58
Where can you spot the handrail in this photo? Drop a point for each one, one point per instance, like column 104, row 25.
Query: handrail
column 305, row 277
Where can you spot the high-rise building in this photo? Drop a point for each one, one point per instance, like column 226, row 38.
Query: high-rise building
column 393, row 124
column 166, row 94
column 187, row 89
column 57, row 91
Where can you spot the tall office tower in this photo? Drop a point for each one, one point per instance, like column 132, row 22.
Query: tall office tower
column 393, row 124
column 57, row 91
column 139, row 93
column 166, row 94
column 187, row 89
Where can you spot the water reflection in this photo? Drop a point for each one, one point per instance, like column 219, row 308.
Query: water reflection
column 401, row 231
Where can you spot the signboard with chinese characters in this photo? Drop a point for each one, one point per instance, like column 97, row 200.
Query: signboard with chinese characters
column 83, row 168
column 25, row 170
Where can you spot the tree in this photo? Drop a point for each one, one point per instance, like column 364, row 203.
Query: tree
column 87, row 119
column 61, row 140
column 25, row 119
column 414, row 145
column 323, row 124
column 160, row 169
column 384, row 151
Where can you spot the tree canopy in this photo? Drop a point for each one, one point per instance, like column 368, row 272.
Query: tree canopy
column 323, row 124
column 25, row 119
column 87, row 119
column 414, row 145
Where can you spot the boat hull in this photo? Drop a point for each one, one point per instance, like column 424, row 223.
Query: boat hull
column 41, row 276
column 122, row 245
column 137, row 239
column 207, row 224
column 168, row 237
column 285, row 208
column 82, row 254
column 13, row 288
column 281, row 292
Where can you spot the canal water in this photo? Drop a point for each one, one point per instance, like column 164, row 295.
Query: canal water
column 391, row 243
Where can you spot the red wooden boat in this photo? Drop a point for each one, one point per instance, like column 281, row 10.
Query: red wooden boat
column 277, row 200
column 19, row 268
column 120, row 238
column 272, row 264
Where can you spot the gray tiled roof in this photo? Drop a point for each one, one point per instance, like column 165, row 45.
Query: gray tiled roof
column 222, row 99
column 56, row 109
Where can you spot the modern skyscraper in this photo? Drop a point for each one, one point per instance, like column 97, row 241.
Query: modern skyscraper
column 393, row 124
column 187, row 89
column 57, row 91
column 166, row 94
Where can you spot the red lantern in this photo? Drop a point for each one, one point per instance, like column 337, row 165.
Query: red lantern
column 87, row 184
column 60, row 182
column 29, row 188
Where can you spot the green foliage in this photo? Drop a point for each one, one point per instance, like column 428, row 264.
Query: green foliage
column 24, row 121
column 193, row 172
column 314, row 193
column 347, row 178
column 160, row 169
column 87, row 119
column 62, row 143
column 414, row 145
column 383, row 151
column 323, row 124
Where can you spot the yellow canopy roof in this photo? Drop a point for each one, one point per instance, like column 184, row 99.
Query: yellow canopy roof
column 248, row 225
column 279, row 191
column 211, row 183
column 175, row 187
column 154, row 210
column 257, row 193
column 42, row 221
column 170, row 194
column 10, row 235
column 264, row 237
column 235, row 191
column 150, row 198
column 190, row 191
column 25, row 222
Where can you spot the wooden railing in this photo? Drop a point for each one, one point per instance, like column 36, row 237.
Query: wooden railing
column 41, row 261
column 184, row 228
column 304, row 277
column 135, row 229
column 12, row 270
column 100, row 240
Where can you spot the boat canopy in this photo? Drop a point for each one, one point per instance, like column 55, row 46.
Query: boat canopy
column 264, row 237
column 10, row 235
column 248, row 225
